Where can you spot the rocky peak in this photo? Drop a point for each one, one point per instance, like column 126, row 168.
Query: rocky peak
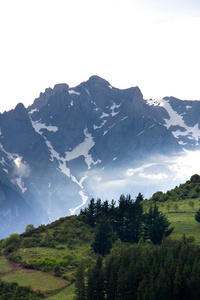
column 97, row 80
column 97, row 84
column 20, row 110
column 61, row 87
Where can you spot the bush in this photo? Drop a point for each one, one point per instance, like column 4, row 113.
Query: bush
column 10, row 249
column 15, row 257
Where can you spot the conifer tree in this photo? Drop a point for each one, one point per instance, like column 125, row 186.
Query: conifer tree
column 80, row 282
column 103, row 237
column 156, row 225
column 91, row 213
column 96, row 284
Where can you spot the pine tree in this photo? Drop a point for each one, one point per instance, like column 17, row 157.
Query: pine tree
column 156, row 225
column 80, row 282
column 91, row 213
column 96, row 284
column 103, row 237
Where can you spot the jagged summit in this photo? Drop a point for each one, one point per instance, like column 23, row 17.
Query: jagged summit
column 97, row 80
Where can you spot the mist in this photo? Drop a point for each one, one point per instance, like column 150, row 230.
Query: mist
column 158, row 173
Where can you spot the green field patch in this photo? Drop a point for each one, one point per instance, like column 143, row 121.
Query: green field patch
column 5, row 266
column 182, row 218
column 37, row 280
column 67, row 293
column 46, row 259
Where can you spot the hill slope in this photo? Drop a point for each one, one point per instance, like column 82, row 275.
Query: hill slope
column 47, row 258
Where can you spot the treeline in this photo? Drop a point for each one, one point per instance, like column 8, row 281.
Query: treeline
column 127, row 221
column 143, row 272
column 188, row 190
column 13, row 291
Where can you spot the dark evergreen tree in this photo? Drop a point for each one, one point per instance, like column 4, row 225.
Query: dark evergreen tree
column 134, row 221
column 103, row 237
column 139, row 198
column 98, row 210
column 111, row 276
column 91, row 213
column 96, row 285
column 156, row 225
column 80, row 282
column 105, row 209
column 122, row 212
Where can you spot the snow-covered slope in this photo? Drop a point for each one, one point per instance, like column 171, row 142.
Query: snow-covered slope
column 186, row 135
column 93, row 140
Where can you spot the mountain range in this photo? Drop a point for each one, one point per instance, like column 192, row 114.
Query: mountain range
column 92, row 140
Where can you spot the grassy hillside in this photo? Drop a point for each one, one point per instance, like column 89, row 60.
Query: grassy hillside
column 180, row 205
column 46, row 258
column 181, row 216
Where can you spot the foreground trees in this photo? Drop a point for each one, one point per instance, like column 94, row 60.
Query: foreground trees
column 142, row 272
column 125, row 221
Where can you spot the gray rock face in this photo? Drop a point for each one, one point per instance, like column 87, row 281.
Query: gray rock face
column 55, row 152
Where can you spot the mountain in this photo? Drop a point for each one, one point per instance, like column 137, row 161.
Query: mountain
column 93, row 140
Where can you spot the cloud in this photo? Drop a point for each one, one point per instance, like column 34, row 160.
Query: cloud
column 186, row 165
column 131, row 172
column 159, row 176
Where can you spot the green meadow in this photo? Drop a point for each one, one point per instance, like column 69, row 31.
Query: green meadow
column 181, row 216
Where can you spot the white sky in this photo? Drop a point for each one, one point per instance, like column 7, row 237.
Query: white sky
column 153, row 44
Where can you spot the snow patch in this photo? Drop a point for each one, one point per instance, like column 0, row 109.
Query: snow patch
column 176, row 119
column 188, row 107
column 124, row 118
column 82, row 149
column 84, row 200
column 97, row 162
column 141, row 132
column 113, row 107
column 98, row 127
column 54, row 154
column 71, row 92
column 33, row 110
column 104, row 115
column 80, row 183
column 20, row 183
column 192, row 133
column 104, row 133
column 41, row 126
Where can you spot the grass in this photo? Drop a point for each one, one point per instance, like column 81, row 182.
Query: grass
column 77, row 252
column 183, row 218
column 37, row 280
column 70, row 253
column 4, row 265
column 67, row 293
